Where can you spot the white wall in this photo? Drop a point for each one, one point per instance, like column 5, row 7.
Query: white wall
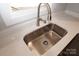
column 58, row 7
column 2, row 24
column 73, row 7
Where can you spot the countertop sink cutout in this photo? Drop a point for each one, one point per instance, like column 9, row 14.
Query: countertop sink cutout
column 42, row 39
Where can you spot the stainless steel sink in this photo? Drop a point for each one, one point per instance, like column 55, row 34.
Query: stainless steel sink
column 40, row 40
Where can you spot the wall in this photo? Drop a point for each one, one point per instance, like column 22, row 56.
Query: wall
column 58, row 7
column 73, row 7
column 2, row 24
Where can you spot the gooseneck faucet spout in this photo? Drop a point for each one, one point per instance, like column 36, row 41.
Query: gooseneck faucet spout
column 49, row 13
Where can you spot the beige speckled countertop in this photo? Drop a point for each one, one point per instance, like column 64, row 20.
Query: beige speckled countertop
column 12, row 38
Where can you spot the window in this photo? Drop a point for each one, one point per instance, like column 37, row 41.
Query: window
column 15, row 13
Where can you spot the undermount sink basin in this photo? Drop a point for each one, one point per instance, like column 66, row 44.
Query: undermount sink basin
column 40, row 40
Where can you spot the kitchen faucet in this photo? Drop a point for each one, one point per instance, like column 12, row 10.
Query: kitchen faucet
column 49, row 13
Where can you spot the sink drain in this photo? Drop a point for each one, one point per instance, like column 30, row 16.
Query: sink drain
column 45, row 42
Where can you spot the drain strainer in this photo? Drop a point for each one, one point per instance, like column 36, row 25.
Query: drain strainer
column 45, row 42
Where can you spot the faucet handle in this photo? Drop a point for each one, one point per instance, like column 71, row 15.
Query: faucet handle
column 43, row 21
column 40, row 19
